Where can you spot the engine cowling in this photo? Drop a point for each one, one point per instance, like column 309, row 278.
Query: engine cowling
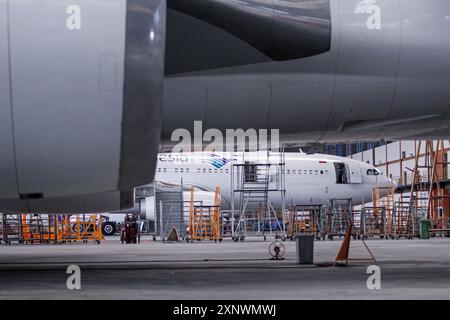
column 80, row 102
column 282, row 30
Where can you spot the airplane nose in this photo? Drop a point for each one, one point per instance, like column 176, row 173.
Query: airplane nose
column 387, row 182
column 393, row 184
column 390, row 183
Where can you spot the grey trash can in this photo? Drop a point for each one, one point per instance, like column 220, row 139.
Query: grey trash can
column 305, row 249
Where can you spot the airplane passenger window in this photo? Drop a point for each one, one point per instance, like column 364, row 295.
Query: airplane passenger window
column 327, row 172
column 310, row 171
column 209, row 170
column 165, row 169
column 305, row 171
column 176, row 170
column 316, row 172
column 294, row 171
column 288, row 171
column 226, row 170
column 181, row 170
column 204, row 170
column 221, row 170
column 321, row 171
column 159, row 169
column 199, row 170
column 215, row 170
column 187, row 170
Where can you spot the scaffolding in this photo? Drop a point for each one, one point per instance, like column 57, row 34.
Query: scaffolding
column 39, row 228
column 205, row 220
column 338, row 214
column 415, row 204
column 403, row 219
column 384, row 197
column 50, row 228
column 10, row 228
column 373, row 223
column 438, row 198
column 423, row 194
column 254, row 182
column 85, row 228
column 306, row 219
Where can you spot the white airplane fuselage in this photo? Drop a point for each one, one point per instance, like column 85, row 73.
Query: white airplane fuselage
column 309, row 179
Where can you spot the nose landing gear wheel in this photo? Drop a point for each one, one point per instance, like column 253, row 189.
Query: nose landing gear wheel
column 108, row 229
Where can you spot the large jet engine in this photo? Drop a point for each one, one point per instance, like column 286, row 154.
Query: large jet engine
column 80, row 102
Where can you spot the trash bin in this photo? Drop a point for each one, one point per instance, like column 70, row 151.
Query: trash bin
column 425, row 226
column 305, row 249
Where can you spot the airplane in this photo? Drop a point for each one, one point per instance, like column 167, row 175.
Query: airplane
column 89, row 90
column 309, row 179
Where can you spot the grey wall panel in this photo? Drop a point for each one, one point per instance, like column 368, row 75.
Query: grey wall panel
column 8, row 185
column 368, row 62
column 240, row 104
column 63, row 96
column 424, row 73
column 183, row 100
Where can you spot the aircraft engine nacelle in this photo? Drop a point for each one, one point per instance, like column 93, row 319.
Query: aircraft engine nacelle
column 282, row 30
column 80, row 102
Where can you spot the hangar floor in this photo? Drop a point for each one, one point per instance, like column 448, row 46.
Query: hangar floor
column 154, row 270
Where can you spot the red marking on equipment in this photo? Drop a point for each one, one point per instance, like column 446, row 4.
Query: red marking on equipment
column 322, row 162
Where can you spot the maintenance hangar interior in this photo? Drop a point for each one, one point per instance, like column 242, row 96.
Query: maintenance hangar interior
column 223, row 149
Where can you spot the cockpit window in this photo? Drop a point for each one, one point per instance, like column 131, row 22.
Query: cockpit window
column 373, row 172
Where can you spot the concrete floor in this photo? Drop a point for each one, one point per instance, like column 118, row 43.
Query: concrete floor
column 410, row 269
